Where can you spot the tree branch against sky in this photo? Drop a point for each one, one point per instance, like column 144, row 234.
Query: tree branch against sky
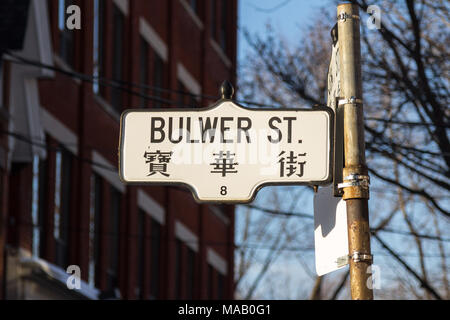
column 406, row 70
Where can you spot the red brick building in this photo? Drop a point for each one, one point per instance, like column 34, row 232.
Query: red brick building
column 62, row 202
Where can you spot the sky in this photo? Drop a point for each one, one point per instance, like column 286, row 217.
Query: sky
column 288, row 17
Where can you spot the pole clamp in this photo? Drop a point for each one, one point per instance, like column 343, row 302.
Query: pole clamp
column 358, row 257
column 352, row 100
column 355, row 180
column 343, row 16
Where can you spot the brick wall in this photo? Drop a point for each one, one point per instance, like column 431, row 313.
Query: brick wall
column 95, row 126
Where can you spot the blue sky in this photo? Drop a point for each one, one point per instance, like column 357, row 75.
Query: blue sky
column 288, row 17
column 289, row 21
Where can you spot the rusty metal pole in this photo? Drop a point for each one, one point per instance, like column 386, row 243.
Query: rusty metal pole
column 355, row 175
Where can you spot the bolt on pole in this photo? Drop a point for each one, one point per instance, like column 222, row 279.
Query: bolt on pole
column 355, row 173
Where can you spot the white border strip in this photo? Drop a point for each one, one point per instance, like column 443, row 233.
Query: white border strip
column 219, row 214
column 59, row 131
column 111, row 177
column 187, row 79
column 151, row 207
column 123, row 5
column 184, row 234
column 152, row 37
column 41, row 16
column 192, row 13
column 55, row 272
column 35, row 128
column 221, row 54
column 216, row 261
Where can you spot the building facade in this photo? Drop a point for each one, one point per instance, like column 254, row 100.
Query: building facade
column 64, row 209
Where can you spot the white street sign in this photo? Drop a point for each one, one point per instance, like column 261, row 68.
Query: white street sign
column 225, row 153
column 330, row 231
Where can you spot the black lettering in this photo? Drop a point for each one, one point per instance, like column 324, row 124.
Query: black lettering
column 289, row 120
column 155, row 129
column 245, row 129
column 272, row 126
column 188, row 132
column 180, row 134
column 207, row 129
column 223, row 128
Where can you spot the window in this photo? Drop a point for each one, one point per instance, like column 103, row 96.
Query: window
column 190, row 274
column 185, row 100
column 94, row 228
column 66, row 36
column 194, row 5
column 220, row 286
column 62, row 206
column 223, row 26
column 1, row 83
column 143, row 66
column 210, row 282
column 219, row 23
column 213, row 19
column 178, row 260
column 113, row 264
column 39, row 193
column 155, row 259
column 141, row 254
column 99, row 10
column 158, row 77
column 117, row 67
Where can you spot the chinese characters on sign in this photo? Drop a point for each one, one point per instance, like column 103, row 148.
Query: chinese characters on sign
column 158, row 162
column 226, row 152
column 290, row 166
column 224, row 163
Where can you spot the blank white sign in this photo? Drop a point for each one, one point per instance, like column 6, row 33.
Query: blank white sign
column 330, row 231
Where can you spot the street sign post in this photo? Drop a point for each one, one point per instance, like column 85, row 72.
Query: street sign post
column 226, row 152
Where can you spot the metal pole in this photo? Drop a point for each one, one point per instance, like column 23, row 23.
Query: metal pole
column 355, row 175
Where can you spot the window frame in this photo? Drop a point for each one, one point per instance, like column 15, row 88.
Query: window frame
column 158, row 77
column 223, row 30
column 114, row 238
column 141, row 238
column 95, row 215
column 190, row 273
column 155, row 254
column 98, row 46
column 62, row 201
column 66, row 48
column 119, row 21
column 178, row 269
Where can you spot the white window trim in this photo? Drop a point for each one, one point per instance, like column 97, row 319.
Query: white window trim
column 192, row 13
column 220, row 52
column 187, row 236
column 188, row 80
column 215, row 260
column 151, row 207
column 3, row 162
column 111, row 177
column 26, row 260
column 59, row 131
column 107, row 107
column 2, row 66
column 43, row 33
column 123, row 5
column 34, row 124
column 219, row 214
column 153, row 39
column 59, row 62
